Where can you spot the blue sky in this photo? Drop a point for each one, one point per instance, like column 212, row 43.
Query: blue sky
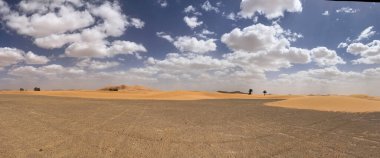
column 279, row 45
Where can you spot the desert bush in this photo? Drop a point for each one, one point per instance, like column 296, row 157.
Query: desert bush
column 37, row 89
column 22, row 89
column 113, row 89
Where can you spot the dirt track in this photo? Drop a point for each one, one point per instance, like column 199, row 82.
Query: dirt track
column 38, row 126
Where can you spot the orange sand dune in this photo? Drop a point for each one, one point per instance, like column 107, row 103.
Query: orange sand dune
column 149, row 95
column 354, row 103
column 332, row 103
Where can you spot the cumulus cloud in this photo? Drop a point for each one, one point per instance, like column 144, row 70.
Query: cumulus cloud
column 207, row 6
column 369, row 53
column 4, row 8
column 231, row 16
column 100, row 50
column 268, row 48
column 38, row 25
column 74, row 24
column 49, row 71
column 192, row 22
column 97, row 65
column 262, row 48
column 137, row 23
column 325, row 57
column 189, row 9
column 269, row 8
column 329, row 80
column 255, row 38
column 33, row 59
column 193, row 45
column 11, row 56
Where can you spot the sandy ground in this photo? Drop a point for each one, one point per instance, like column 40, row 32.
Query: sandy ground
column 332, row 103
column 352, row 104
column 42, row 126
column 148, row 95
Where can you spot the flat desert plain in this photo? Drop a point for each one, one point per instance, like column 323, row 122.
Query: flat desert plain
column 186, row 124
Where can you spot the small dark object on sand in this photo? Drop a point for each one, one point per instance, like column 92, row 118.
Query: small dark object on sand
column 250, row 92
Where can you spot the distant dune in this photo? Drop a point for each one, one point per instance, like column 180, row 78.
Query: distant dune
column 127, row 88
column 354, row 103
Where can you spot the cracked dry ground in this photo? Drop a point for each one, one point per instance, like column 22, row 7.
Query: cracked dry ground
column 38, row 126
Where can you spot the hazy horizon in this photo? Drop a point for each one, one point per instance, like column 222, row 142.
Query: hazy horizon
column 285, row 47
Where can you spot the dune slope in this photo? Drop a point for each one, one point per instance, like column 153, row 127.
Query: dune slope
column 330, row 103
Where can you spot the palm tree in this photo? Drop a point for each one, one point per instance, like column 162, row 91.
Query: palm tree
column 265, row 92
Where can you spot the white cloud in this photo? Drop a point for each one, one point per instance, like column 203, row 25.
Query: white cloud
column 4, row 8
column 256, row 38
column 192, row 10
column 165, row 36
column 101, row 50
column 33, row 59
column 56, row 25
column 208, row 7
column 97, row 65
column 366, row 34
column 347, row 10
column 369, row 53
column 325, row 57
column 189, row 9
column 231, row 16
column 269, row 8
column 10, row 56
column 193, row 45
column 328, row 80
column 163, row 3
column 56, row 40
column 49, row 71
column 268, row 48
column 38, row 25
column 137, row 23
column 342, row 45
column 326, row 13
column 192, row 22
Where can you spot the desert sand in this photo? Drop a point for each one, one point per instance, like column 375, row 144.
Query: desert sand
column 47, row 126
column 353, row 103
column 332, row 103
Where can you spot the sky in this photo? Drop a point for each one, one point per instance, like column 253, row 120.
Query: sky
column 282, row 46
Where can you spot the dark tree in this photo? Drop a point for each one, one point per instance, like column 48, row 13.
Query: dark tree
column 37, row 89
column 22, row 89
column 250, row 92
column 265, row 92
column 113, row 89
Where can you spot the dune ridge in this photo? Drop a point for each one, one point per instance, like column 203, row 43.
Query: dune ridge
column 352, row 103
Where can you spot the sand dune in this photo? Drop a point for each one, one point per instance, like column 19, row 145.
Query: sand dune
column 354, row 103
column 128, row 88
column 148, row 95
column 332, row 103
